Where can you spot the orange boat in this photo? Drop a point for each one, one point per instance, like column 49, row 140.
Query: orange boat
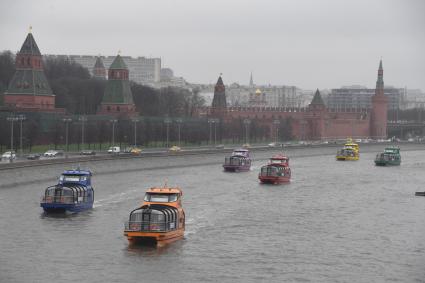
column 159, row 220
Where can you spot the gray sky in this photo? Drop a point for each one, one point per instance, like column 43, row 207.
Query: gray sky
column 307, row 43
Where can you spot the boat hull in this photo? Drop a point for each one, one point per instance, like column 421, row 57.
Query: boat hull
column 158, row 238
column 66, row 207
column 347, row 158
column 274, row 180
column 236, row 168
column 387, row 163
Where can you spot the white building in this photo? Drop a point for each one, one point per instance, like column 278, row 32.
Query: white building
column 145, row 71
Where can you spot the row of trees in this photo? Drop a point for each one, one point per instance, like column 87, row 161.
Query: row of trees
column 150, row 131
column 79, row 93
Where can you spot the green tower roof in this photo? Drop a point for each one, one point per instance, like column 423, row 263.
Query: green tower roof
column 317, row 99
column 29, row 81
column 29, row 46
column 118, row 63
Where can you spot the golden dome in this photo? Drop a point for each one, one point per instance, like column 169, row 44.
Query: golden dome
column 258, row 92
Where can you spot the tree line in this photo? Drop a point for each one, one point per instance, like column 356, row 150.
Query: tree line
column 79, row 93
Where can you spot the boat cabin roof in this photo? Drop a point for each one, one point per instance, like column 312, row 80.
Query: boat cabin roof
column 164, row 190
column 392, row 150
column 240, row 152
column 279, row 157
column 77, row 172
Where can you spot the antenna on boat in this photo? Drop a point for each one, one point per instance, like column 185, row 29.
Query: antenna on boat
column 165, row 184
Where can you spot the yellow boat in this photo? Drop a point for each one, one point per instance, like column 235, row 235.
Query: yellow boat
column 350, row 151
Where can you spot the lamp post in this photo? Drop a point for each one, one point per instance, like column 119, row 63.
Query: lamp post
column 135, row 121
column 210, row 139
column 214, row 121
column 167, row 122
column 276, row 123
column 21, row 118
column 113, row 121
column 82, row 119
column 246, row 122
column 179, row 123
column 11, row 119
column 66, row 121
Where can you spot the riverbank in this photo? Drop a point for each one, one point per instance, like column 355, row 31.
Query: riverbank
column 12, row 174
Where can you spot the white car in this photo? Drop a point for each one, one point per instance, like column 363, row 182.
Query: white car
column 272, row 144
column 8, row 155
column 52, row 153
column 114, row 149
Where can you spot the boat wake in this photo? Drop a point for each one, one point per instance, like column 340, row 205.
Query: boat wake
column 116, row 198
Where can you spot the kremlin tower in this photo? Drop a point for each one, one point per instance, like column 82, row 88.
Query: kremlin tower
column 118, row 99
column 99, row 70
column 219, row 101
column 29, row 89
column 316, row 114
column 378, row 122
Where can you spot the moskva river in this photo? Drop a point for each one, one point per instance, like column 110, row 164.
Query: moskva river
column 335, row 222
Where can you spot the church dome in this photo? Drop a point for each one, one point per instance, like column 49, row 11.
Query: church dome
column 258, row 92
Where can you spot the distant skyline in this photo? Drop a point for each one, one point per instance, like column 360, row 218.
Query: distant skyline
column 307, row 43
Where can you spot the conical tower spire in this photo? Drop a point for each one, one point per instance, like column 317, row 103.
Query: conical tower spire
column 219, row 100
column 29, row 87
column 251, row 81
column 317, row 99
column 118, row 99
column 378, row 122
column 380, row 80
column 99, row 70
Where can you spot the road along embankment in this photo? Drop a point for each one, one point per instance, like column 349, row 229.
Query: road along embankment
column 12, row 174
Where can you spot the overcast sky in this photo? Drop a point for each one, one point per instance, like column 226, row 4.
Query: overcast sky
column 307, row 43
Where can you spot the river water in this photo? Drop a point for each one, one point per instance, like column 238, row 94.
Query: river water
column 335, row 222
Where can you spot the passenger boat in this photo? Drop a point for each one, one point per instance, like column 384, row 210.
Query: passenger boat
column 159, row 220
column 276, row 171
column 73, row 193
column 350, row 151
column 390, row 156
column 240, row 160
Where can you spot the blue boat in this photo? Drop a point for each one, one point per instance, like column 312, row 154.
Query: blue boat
column 73, row 193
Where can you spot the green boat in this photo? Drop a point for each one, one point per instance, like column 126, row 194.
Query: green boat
column 390, row 156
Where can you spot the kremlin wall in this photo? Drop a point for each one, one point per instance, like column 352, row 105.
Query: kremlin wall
column 29, row 91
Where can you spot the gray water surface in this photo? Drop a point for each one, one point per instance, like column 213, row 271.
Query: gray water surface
column 335, row 222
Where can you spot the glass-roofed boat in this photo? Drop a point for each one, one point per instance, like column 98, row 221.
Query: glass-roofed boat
column 350, row 151
column 239, row 160
column 276, row 171
column 73, row 193
column 391, row 156
column 159, row 220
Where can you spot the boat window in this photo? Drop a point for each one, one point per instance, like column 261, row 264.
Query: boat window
column 70, row 178
column 67, row 192
column 161, row 197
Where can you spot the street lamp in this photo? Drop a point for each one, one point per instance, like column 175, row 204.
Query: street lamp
column 66, row 121
column 276, row 123
column 82, row 119
column 179, row 123
column 135, row 121
column 11, row 119
column 214, row 121
column 246, row 122
column 113, row 121
column 167, row 122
